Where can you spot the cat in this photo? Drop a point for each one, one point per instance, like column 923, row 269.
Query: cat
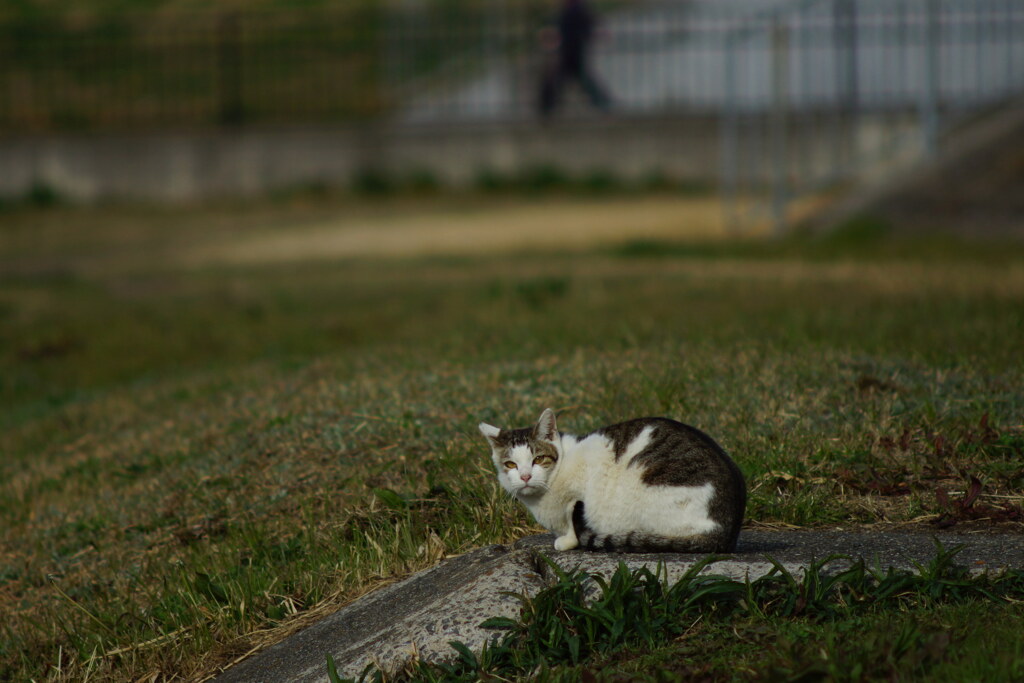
column 647, row 485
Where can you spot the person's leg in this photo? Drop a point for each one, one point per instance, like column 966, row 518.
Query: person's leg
column 597, row 94
column 550, row 88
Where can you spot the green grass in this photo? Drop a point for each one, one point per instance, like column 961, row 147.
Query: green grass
column 196, row 460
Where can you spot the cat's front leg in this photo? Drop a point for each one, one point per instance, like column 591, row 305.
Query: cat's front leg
column 568, row 540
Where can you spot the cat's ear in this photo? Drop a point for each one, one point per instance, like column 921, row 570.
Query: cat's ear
column 489, row 431
column 546, row 429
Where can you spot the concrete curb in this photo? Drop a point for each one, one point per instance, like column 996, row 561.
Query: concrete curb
column 420, row 615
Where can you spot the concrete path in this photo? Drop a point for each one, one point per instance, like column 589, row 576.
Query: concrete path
column 424, row 612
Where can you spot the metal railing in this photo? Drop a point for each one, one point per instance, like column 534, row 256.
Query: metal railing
column 409, row 61
column 135, row 70
column 822, row 92
column 803, row 94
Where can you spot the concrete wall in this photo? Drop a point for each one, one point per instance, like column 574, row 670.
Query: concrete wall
column 189, row 165
column 179, row 166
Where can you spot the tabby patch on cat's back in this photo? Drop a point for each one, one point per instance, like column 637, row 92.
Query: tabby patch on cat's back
column 645, row 485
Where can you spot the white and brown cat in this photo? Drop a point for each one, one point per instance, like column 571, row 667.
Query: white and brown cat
column 646, row 485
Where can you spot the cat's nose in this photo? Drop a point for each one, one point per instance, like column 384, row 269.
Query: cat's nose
column 525, row 477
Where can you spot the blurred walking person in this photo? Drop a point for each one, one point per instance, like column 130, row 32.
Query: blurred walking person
column 568, row 48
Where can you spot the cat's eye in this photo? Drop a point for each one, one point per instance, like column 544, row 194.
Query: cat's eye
column 543, row 460
column 509, row 465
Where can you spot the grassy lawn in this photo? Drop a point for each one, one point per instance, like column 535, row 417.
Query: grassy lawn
column 200, row 456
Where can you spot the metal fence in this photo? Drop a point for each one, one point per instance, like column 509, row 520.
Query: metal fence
column 803, row 94
column 410, row 61
column 653, row 58
column 822, row 92
column 153, row 71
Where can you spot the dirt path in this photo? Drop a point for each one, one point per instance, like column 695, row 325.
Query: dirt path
column 108, row 240
column 569, row 224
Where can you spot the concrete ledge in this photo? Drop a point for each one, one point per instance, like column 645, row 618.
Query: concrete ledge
column 418, row 615
column 189, row 165
column 421, row 614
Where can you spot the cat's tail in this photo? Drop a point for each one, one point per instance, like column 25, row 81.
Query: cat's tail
column 718, row 541
column 640, row 542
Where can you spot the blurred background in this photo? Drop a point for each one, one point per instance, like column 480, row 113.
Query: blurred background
column 264, row 266
column 776, row 104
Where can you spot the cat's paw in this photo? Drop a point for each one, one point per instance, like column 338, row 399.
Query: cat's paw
column 566, row 542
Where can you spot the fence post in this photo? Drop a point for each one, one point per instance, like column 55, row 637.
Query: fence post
column 729, row 134
column 844, row 49
column 930, row 96
column 779, row 138
column 851, row 68
column 229, row 69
